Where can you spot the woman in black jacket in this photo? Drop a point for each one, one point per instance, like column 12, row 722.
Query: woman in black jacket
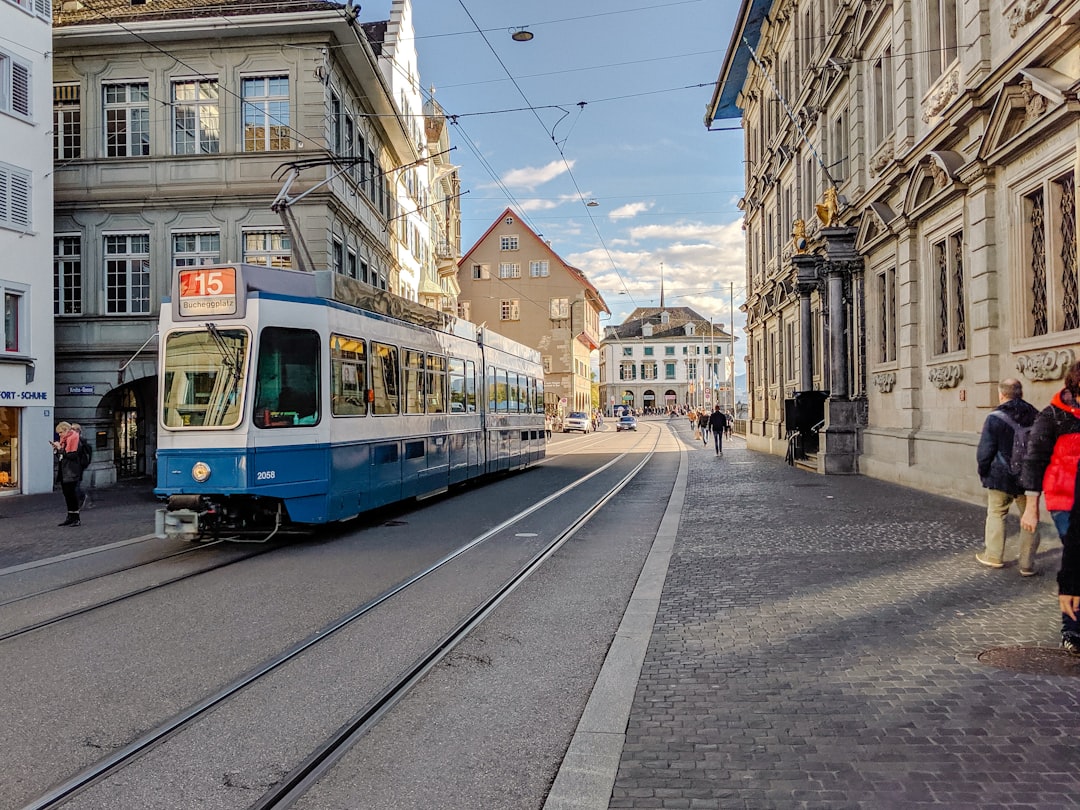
column 1050, row 471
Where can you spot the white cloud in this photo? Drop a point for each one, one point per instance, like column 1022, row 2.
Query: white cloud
column 531, row 176
column 630, row 210
column 536, row 204
column 703, row 263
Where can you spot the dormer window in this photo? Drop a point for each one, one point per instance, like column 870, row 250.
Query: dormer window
column 689, row 329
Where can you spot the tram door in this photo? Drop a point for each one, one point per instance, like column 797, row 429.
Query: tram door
column 126, row 455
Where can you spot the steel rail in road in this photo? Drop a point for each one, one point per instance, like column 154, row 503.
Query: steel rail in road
column 100, row 575
column 101, row 770
column 70, row 614
column 295, row 784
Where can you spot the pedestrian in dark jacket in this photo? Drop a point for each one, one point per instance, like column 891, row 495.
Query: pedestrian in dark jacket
column 703, row 425
column 71, row 469
column 717, row 424
column 994, row 458
column 1050, row 471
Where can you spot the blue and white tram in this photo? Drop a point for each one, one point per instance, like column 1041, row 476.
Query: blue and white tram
column 304, row 398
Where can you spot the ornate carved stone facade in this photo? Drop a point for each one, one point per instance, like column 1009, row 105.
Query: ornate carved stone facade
column 958, row 171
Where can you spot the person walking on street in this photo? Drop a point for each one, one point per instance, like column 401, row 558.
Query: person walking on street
column 999, row 474
column 1050, row 471
column 703, row 426
column 718, row 424
column 67, row 448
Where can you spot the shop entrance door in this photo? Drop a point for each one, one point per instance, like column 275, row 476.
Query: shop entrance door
column 9, row 449
column 127, row 455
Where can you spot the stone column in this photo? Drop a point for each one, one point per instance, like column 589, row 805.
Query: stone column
column 840, row 450
column 807, row 267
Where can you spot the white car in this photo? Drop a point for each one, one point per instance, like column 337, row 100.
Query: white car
column 577, row 420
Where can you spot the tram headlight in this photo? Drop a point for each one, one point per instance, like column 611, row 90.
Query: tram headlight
column 200, row 472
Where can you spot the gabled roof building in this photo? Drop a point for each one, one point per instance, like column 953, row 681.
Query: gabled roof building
column 515, row 282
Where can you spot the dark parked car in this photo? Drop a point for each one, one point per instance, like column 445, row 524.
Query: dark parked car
column 626, row 423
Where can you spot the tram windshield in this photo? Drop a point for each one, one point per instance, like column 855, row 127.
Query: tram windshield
column 204, row 378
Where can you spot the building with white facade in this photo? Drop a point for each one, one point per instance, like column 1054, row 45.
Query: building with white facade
column 178, row 123
column 665, row 357
column 27, row 402
column 948, row 259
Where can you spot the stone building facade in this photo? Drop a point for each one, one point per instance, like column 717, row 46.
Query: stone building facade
column 946, row 261
column 661, row 358
column 178, row 124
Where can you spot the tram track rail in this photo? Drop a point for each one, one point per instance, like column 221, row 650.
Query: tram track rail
column 103, row 603
column 325, row 755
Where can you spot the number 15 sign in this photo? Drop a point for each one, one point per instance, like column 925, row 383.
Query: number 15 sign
column 208, row 291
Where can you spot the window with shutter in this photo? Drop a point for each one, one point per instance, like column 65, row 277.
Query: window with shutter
column 14, row 198
column 14, row 86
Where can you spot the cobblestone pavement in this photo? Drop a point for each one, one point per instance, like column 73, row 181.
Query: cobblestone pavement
column 28, row 529
column 817, row 646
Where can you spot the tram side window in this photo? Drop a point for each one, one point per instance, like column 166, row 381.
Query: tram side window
column 538, row 406
column 492, row 388
column 512, row 388
column 414, row 381
column 435, row 384
column 384, row 379
column 527, row 391
column 503, row 386
column 470, row 387
column 348, row 376
column 457, row 385
column 287, row 378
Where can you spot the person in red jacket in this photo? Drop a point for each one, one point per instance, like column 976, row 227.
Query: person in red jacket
column 1050, row 470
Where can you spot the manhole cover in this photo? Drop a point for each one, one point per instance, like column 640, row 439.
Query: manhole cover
column 1032, row 660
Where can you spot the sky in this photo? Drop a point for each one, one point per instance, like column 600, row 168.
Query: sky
column 606, row 103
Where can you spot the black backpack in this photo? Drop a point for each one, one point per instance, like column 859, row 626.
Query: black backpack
column 1021, row 434
column 86, row 455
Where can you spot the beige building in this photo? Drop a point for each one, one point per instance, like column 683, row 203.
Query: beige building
column 176, row 125
column 948, row 259
column 512, row 280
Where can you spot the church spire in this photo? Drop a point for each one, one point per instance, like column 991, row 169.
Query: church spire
column 661, row 285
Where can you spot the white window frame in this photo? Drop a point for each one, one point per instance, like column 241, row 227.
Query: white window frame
column 67, row 264
column 510, row 309
column 19, row 294
column 559, row 309
column 265, row 108
column 509, row 270
column 16, row 197
column 205, row 251
column 16, row 89
column 202, row 111
column 508, row 242
column 67, row 121
column 539, row 268
column 275, row 249
column 134, row 110
column 126, row 273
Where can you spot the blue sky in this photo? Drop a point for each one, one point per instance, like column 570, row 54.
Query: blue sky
column 665, row 187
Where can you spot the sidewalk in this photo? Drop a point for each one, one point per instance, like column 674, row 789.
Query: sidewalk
column 817, row 644
column 28, row 529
